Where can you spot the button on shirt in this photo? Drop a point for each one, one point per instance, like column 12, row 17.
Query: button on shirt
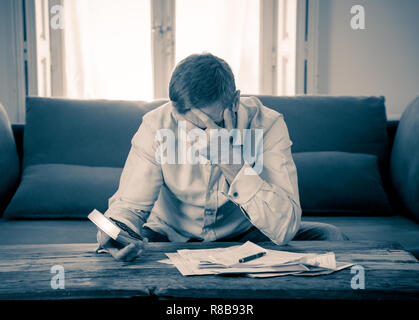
column 194, row 200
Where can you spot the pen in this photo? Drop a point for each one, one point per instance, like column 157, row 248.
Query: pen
column 252, row 257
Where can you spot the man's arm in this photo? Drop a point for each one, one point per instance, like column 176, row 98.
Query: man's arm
column 140, row 182
column 270, row 200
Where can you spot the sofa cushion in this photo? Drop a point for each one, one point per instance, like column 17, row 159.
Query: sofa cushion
column 63, row 191
column 74, row 151
column 340, row 182
column 327, row 123
column 90, row 135
column 81, row 132
column 404, row 163
column 382, row 229
column 98, row 132
column 9, row 160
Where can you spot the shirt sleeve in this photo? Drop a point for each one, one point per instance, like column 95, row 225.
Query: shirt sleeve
column 270, row 199
column 140, row 182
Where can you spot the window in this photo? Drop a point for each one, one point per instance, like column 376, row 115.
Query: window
column 228, row 29
column 127, row 49
column 107, row 49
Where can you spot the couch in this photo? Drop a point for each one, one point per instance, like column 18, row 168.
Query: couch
column 356, row 169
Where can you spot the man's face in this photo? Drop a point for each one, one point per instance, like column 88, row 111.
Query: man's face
column 215, row 111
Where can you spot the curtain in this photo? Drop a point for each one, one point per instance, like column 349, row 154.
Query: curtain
column 107, row 49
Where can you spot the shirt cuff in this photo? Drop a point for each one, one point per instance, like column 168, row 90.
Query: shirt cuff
column 132, row 220
column 245, row 185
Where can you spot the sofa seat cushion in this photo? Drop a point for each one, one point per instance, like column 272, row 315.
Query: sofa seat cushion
column 395, row 228
column 63, row 191
column 340, row 182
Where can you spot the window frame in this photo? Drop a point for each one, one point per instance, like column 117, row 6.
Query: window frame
column 268, row 48
column 38, row 48
column 163, row 23
column 19, row 58
column 57, row 44
column 306, row 73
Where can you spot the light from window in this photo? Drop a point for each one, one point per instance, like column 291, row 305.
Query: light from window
column 108, row 49
column 227, row 29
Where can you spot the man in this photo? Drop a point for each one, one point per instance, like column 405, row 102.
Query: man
column 224, row 196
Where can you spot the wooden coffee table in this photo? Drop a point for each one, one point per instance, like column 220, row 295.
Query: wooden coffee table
column 391, row 273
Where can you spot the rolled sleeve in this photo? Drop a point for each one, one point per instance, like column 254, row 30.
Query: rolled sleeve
column 270, row 200
column 140, row 182
column 244, row 186
column 131, row 219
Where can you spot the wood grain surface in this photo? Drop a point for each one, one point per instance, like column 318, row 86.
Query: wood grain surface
column 25, row 273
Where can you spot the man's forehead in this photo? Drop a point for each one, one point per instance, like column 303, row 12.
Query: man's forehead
column 215, row 104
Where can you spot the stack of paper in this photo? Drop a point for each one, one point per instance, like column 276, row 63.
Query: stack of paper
column 272, row 264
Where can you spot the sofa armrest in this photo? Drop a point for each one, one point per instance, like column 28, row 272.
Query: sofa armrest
column 18, row 130
column 391, row 131
column 404, row 162
column 9, row 161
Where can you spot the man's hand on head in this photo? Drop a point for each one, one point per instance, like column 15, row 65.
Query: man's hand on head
column 194, row 118
column 204, row 122
column 230, row 119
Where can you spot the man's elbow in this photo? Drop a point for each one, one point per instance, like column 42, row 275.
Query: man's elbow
column 287, row 233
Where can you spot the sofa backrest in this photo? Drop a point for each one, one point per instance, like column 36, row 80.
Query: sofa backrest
column 74, row 152
column 81, row 132
column 328, row 123
column 99, row 132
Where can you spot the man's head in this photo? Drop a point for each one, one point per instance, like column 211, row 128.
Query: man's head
column 206, row 82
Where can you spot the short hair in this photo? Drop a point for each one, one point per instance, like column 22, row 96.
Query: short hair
column 199, row 80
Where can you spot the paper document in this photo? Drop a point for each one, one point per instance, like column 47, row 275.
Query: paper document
column 226, row 257
column 310, row 273
column 272, row 264
column 326, row 260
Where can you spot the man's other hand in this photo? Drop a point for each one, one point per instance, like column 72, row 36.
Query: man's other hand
column 120, row 252
column 200, row 119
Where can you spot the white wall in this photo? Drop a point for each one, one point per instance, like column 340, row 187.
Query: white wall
column 383, row 59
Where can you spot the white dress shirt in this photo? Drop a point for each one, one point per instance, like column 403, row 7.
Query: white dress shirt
column 185, row 201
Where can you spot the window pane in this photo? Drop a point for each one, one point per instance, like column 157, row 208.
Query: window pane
column 108, row 49
column 228, row 29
